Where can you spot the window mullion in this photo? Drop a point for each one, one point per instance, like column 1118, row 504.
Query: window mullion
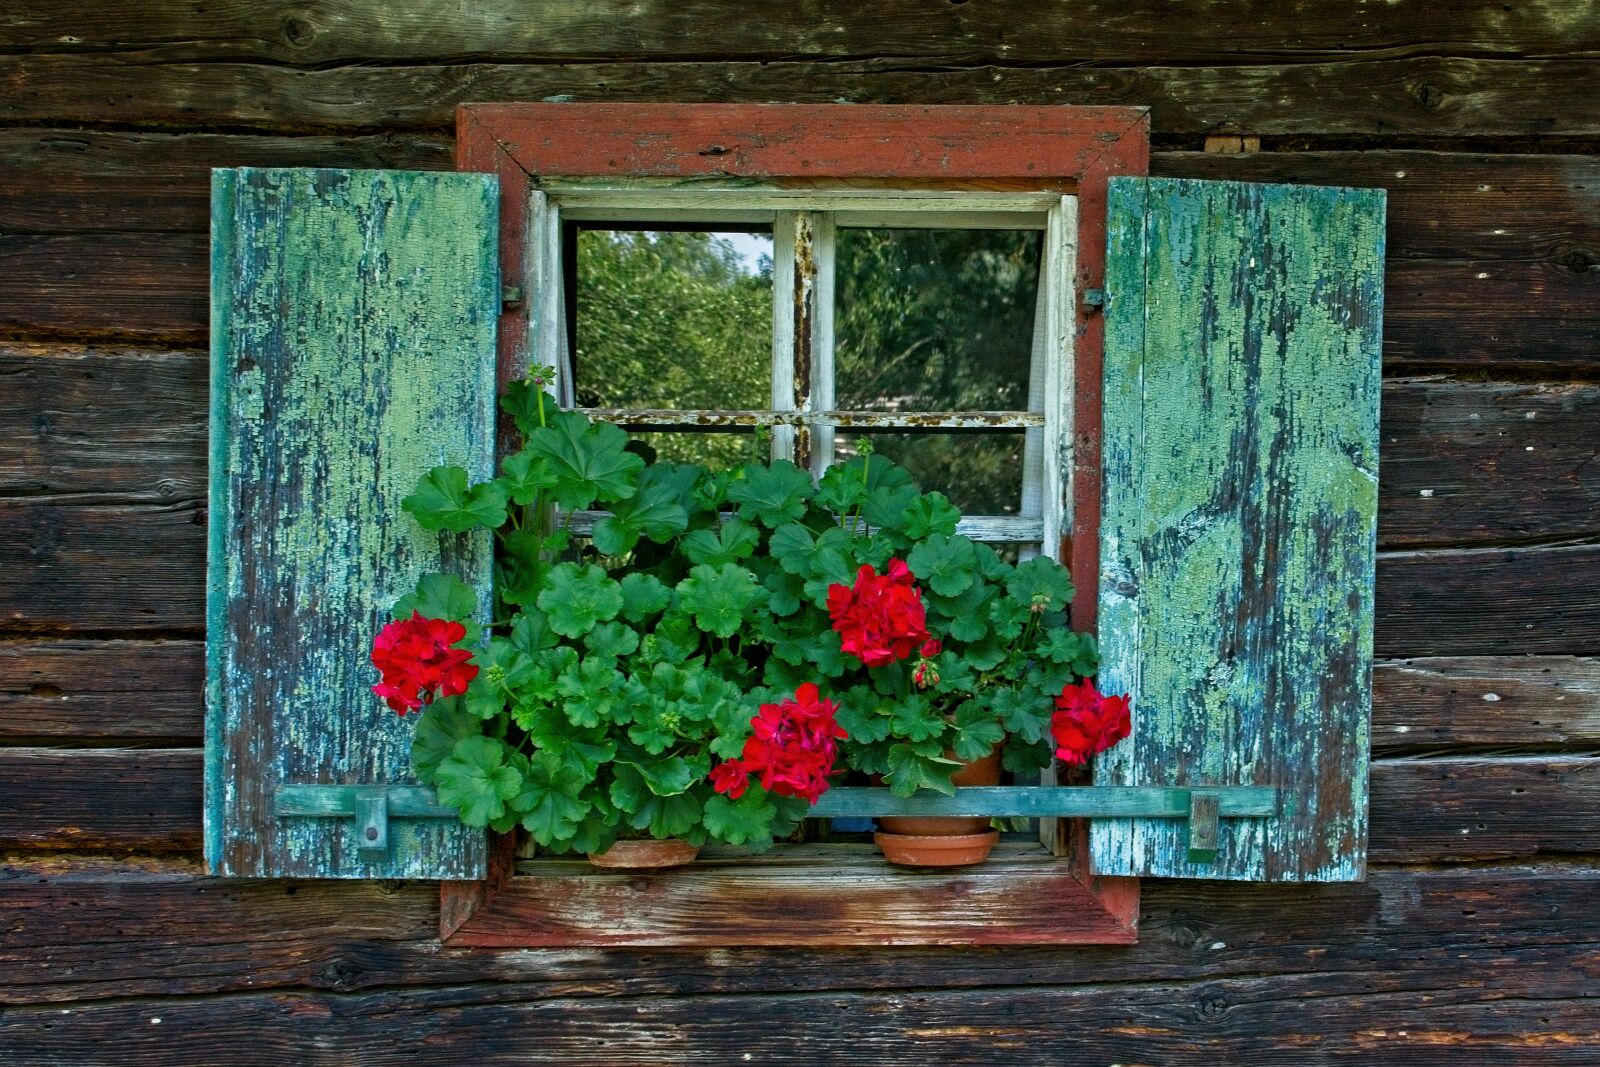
column 802, row 330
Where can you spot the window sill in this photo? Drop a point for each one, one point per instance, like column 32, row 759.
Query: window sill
column 798, row 895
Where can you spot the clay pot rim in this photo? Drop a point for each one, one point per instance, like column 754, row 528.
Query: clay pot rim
column 645, row 853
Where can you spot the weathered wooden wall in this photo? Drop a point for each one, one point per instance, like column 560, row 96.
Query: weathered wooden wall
column 1472, row 942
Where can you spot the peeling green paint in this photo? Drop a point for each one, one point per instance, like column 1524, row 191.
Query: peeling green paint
column 1239, row 517
column 353, row 348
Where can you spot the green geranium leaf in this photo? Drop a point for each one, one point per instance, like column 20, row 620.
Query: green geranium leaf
column 913, row 720
column 440, row 596
column 476, row 780
column 1020, row 712
column 985, row 655
column 1007, row 616
column 792, row 545
column 976, row 732
column 655, row 511
column 444, row 501
column 668, row 777
column 930, row 513
column 1069, row 649
column 718, row 597
column 520, row 568
column 612, row 639
column 783, row 593
column 946, row 564
column 549, row 799
column 671, row 816
column 909, row 770
column 1041, row 579
column 772, row 495
column 746, row 821
column 531, row 632
column 594, row 693
column 643, row 595
column 577, row 597
column 524, row 476
column 990, row 565
column 733, row 542
column 860, row 716
column 968, row 613
column 520, row 399
column 843, row 487
column 443, row 723
column 587, row 460
column 1027, row 759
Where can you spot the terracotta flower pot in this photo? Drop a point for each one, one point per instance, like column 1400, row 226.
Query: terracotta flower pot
column 937, row 841
column 646, row 854
column 985, row 771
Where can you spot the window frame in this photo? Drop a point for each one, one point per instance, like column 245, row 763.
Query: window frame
column 798, row 898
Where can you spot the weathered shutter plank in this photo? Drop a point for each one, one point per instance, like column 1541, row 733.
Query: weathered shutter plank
column 1238, row 535
column 353, row 348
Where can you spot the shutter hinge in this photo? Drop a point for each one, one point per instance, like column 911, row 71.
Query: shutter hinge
column 510, row 295
column 371, row 806
column 1094, row 298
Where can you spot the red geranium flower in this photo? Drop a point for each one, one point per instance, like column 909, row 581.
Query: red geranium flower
column 880, row 619
column 792, row 748
column 1087, row 723
column 417, row 663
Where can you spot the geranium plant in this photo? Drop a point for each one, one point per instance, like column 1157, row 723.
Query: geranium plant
column 698, row 665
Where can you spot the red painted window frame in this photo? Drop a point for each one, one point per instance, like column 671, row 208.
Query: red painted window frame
column 1066, row 148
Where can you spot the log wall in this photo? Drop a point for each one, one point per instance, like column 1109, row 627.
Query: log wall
column 1471, row 942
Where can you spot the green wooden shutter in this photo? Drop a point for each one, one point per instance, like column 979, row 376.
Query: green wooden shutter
column 352, row 348
column 1239, row 524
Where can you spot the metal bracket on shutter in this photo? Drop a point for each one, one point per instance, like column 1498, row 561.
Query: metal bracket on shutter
column 1202, row 806
column 371, row 806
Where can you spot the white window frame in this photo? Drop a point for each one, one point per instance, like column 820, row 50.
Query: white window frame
column 804, row 222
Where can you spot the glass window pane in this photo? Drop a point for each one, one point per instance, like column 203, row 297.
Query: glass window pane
column 715, row 451
column 980, row 473
column 934, row 320
column 673, row 319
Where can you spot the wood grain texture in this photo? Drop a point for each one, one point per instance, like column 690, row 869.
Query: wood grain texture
column 1463, row 461
column 1427, row 95
column 1007, row 31
column 1489, row 602
column 78, row 566
column 149, row 286
column 1239, row 531
column 112, row 424
column 843, row 896
column 1442, row 810
column 353, row 350
column 1542, row 1019
column 1499, row 702
column 1521, row 233
column 173, row 931
column 89, row 568
column 143, row 799
column 124, row 181
column 88, row 691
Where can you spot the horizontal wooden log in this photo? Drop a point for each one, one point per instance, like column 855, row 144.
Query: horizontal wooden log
column 1514, row 231
column 88, row 567
column 1461, row 461
column 142, row 799
column 83, row 181
column 149, row 286
column 1487, row 702
column 83, row 930
column 110, row 423
column 1421, row 810
column 111, row 567
column 1429, row 96
column 1486, row 602
column 85, row 691
column 1310, row 1018
column 933, row 30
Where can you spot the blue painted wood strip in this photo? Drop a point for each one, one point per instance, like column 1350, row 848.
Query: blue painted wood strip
column 1065, row 802
column 353, row 348
column 1239, row 515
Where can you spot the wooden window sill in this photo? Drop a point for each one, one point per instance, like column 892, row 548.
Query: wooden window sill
column 798, row 895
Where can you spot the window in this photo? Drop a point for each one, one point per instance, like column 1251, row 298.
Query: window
column 1233, row 436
